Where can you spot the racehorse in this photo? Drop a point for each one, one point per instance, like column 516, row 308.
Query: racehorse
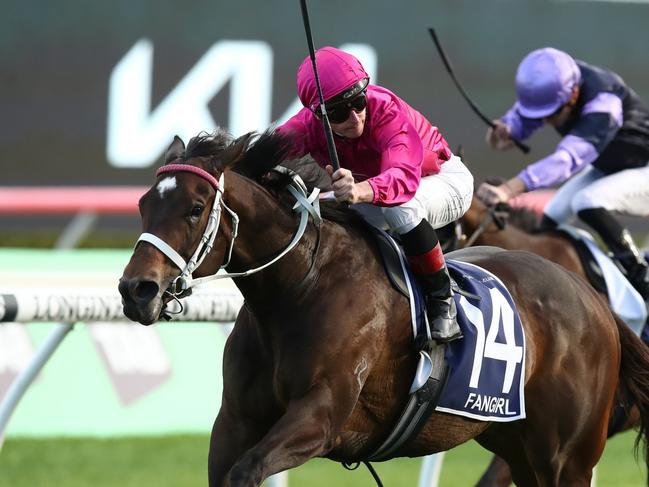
column 482, row 225
column 321, row 356
column 517, row 229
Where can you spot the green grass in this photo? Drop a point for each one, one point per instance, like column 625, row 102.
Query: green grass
column 180, row 461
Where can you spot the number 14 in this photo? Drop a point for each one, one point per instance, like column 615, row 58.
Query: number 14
column 486, row 345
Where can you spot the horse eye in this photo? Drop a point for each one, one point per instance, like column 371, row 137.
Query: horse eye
column 197, row 210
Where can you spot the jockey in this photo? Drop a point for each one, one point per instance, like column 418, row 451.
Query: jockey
column 604, row 150
column 396, row 168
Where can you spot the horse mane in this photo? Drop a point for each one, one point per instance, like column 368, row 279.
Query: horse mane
column 524, row 219
column 254, row 156
column 208, row 145
column 521, row 217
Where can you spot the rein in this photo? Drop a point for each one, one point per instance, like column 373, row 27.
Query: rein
column 499, row 217
column 306, row 204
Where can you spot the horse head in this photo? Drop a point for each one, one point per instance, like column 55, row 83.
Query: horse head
column 471, row 228
column 181, row 216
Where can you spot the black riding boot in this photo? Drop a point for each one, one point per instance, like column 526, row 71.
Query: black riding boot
column 621, row 244
column 427, row 263
column 637, row 269
column 440, row 307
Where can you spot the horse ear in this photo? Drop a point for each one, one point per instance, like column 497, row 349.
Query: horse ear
column 241, row 145
column 175, row 150
column 237, row 150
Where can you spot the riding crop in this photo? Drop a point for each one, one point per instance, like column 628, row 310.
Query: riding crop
column 325, row 119
column 525, row 148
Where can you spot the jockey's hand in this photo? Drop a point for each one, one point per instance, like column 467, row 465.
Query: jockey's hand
column 499, row 136
column 347, row 190
column 492, row 195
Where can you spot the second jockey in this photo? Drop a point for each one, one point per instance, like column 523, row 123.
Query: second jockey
column 604, row 151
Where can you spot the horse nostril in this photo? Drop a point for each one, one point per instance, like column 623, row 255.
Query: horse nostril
column 123, row 288
column 137, row 290
column 145, row 291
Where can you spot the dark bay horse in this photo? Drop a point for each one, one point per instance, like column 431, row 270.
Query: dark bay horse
column 514, row 229
column 322, row 356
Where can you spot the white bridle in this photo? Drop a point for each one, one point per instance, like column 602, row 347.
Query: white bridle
column 306, row 205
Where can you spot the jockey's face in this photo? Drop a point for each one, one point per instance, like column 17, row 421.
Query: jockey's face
column 352, row 128
column 564, row 112
column 560, row 117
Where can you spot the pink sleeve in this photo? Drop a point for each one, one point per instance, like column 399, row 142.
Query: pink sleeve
column 402, row 154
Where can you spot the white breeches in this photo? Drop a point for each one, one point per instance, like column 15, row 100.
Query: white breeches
column 441, row 199
column 625, row 192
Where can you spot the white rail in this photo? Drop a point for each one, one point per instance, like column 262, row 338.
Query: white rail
column 48, row 305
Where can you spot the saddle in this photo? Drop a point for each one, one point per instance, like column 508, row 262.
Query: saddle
column 605, row 276
column 442, row 364
column 432, row 370
column 592, row 269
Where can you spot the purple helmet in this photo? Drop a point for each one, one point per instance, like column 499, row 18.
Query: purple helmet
column 544, row 82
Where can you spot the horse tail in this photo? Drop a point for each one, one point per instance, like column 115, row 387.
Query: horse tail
column 634, row 381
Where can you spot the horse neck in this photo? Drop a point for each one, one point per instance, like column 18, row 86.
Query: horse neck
column 477, row 215
column 511, row 237
column 266, row 228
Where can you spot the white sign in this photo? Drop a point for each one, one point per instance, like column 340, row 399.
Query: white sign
column 137, row 134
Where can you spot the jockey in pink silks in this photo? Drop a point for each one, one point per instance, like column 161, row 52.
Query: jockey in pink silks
column 396, row 168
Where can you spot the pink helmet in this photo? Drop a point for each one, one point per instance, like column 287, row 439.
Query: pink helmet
column 544, row 82
column 339, row 73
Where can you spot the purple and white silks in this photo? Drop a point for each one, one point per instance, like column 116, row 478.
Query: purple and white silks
column 573, row 152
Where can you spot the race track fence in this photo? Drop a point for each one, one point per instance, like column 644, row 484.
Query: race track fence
column 49, row 306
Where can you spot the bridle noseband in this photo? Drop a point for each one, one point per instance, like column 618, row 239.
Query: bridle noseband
column 183, row 282
column 306, row 205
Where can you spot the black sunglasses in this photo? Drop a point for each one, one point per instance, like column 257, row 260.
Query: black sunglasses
column 339, row 112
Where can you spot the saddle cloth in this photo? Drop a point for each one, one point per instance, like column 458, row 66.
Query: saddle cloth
column 487, row 366
column 623, row 298
column 486, row 376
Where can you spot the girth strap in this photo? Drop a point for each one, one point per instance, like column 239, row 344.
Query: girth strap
column 420, row 406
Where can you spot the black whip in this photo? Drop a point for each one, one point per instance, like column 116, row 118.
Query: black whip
column 525, row 148
column 325, row 119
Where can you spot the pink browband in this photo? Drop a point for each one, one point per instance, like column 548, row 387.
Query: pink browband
column 187, row 168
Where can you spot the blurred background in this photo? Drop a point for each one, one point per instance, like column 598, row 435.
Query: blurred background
column 91, row 94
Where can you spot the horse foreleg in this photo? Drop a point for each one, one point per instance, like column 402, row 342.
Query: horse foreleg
column 229, row 440
column 303, row 432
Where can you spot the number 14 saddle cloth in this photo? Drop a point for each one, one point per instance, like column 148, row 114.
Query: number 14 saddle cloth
column 487, row 366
